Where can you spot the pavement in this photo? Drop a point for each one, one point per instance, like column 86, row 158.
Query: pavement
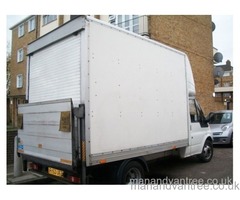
column 23, row 178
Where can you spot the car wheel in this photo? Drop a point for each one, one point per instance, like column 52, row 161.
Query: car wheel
column 207, row 152
column 131, row 173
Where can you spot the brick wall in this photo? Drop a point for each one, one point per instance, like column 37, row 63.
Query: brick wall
column 20, row 67
column 17, row 95
column 192, row 35
column 10, row 146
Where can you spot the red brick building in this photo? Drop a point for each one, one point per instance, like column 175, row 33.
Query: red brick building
column 23, row 33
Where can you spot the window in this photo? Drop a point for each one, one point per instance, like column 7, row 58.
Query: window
column 217, row 94
column 21, row 30
column 226, row 95
column 135, row 25
column 48, row 18
column 228, row 73
column 220, row 118
column 128, row 22
column 19, row 82
column 196, row 113
column 193, row 111
column 31, row 24
column 20, row 55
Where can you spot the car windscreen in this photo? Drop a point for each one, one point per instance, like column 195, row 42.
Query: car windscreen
column 220, row 118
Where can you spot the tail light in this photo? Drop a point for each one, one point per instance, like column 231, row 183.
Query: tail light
column 74, row 179
column 34, row 166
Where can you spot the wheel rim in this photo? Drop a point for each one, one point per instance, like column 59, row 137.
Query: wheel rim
column 207, row 152
column 133, row 174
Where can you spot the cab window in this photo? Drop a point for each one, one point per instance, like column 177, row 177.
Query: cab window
column 196, row 113
column 193, row 111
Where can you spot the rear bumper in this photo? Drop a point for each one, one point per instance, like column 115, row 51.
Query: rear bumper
column 63, row 173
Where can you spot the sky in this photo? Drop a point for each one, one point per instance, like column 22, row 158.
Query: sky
column 222, row 35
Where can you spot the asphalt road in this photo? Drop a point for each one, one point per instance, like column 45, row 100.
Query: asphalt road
column 218, row 171
column 186, row 171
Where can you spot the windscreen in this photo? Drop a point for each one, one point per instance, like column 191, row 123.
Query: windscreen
column 220, row 118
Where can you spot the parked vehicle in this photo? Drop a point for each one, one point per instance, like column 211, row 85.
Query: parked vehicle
column 222, row 126
column 102, row 96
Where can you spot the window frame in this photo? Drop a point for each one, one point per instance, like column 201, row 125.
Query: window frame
column 193, row 115
column 127, row 22
column 30, row 28
column 199, row 115
column 21, row 30
column 46, row 19
column 20, row 55
column 19, row 81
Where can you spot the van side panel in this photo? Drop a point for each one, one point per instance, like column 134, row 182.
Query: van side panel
column 137, row 92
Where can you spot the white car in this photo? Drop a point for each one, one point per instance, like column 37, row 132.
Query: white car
column 222, row 126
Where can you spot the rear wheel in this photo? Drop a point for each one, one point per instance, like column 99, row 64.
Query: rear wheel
column 207, row 152
column 132, row 172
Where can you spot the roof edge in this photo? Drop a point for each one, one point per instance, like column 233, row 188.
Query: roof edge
column 23, row 20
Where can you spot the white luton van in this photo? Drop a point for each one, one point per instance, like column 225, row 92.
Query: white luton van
column 100, row 97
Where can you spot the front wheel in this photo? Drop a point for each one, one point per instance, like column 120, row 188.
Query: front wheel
column 207, row 152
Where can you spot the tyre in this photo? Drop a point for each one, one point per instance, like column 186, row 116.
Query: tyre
column 207, row 152
column 132, row 172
